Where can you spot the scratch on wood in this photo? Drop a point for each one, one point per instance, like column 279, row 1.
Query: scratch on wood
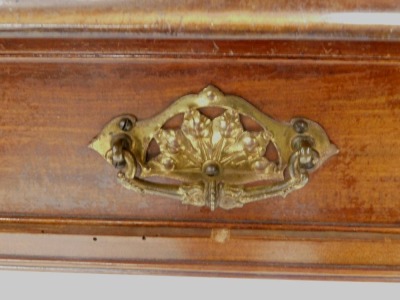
column 216, row 48
column 220, row 235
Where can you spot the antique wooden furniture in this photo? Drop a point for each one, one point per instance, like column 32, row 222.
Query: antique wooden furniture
column 68, row 68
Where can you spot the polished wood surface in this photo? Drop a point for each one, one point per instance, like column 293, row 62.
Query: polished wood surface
column 206, row 48
column 52, row 109
column 341, row 19
column 66, row 69
column 271, row 254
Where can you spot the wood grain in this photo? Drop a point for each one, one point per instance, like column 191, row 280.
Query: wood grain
column 342, row 19
column 52, row 108
column 192, row 48
column 283, row 255
column 68, row 67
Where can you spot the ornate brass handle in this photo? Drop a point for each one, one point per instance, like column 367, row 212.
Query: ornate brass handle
column 214, row 162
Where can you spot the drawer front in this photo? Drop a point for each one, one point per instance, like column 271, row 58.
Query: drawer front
column 51, row 110
column 52, row 106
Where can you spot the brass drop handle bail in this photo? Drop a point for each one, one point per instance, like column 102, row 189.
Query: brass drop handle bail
column 214, row 162
column 118, row 148
column 308, row 156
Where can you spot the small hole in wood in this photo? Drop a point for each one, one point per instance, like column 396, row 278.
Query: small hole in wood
column 144, row 238
column 95, row 239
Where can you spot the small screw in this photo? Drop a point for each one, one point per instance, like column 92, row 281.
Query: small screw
column 211, row 170
column 300, row 126
column 125, row 124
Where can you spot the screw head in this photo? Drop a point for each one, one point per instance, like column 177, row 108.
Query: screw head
column 300, row 126
column 125, row 124
column 211, row 169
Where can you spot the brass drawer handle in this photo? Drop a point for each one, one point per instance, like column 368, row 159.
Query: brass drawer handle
column 216, row 162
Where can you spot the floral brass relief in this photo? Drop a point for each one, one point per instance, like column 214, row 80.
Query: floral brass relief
column 214, row 162
column 204, row 149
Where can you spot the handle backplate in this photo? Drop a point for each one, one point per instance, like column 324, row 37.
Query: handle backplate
column 213, row 162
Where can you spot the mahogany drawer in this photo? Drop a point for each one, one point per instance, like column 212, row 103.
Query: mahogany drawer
column 61, row 205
